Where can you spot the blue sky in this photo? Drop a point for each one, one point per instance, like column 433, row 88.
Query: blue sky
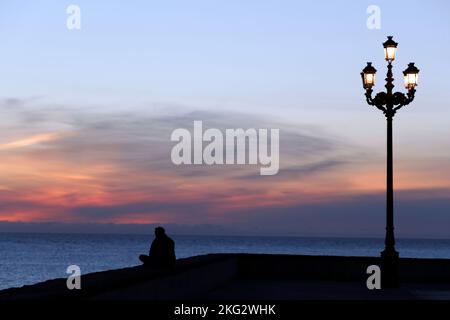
column 273, row 53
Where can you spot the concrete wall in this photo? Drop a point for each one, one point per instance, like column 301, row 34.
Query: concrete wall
column 337, row 268
column 198, row 275
column 189, row 284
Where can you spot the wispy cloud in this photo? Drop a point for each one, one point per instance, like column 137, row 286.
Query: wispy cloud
column 30, row 141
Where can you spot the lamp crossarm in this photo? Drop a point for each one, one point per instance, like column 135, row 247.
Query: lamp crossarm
column 374, row 101
column 382, row 100
column 404, row 100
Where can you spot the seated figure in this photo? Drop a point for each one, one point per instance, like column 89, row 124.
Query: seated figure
column 162, row 251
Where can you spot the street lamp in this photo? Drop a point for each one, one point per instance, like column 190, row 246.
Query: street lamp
column 390, row 49
column 389, row 102
column 410, row 75
column 368, row 76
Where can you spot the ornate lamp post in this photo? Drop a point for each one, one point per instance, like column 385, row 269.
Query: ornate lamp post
column 389, row 102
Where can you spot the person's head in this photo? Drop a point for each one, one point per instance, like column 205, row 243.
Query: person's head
column 159, row 231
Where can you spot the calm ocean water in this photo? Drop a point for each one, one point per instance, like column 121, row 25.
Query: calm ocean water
column 31, row 258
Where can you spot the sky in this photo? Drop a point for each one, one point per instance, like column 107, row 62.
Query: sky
column 86, row 116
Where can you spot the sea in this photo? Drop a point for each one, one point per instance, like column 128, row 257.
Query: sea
column 27, row 258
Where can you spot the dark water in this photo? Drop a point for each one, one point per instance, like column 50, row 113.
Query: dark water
column 31, row 258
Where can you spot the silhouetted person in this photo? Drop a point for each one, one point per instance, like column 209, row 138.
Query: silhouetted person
column 162, row 251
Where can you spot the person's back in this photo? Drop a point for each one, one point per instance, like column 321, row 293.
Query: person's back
column 162, row 251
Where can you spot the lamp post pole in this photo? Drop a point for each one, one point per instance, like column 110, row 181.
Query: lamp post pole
column 389, row 102
column 389, row 250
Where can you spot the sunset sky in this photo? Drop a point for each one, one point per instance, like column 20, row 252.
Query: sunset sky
column 86, row 116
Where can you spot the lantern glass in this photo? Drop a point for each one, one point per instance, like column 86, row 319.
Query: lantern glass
column 369, row 80
column 389, row 53
column 411, row 80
